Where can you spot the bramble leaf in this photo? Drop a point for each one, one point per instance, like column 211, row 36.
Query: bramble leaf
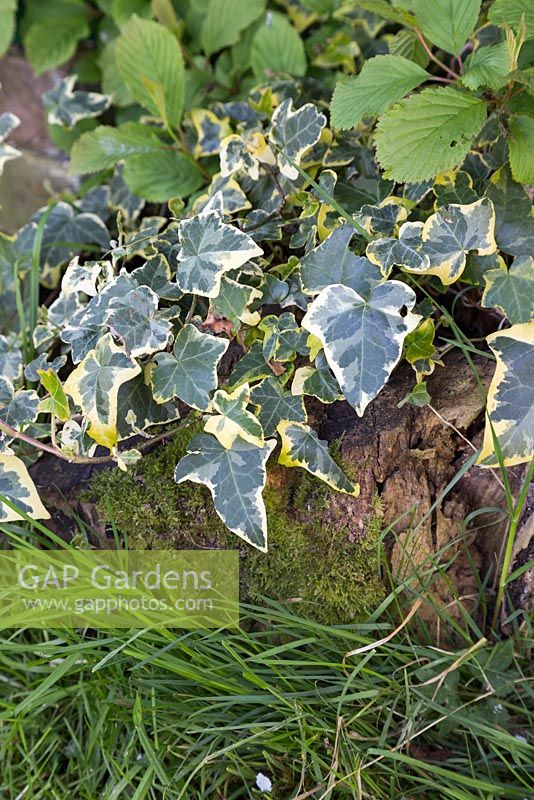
column 512, row 291
column 447, row 23
column 521, row 146
column 162, row 175
column 511, row 12
column 105, row 146
column 488, row 66
column 235, row 478
column 225, row 20
column 277, row 47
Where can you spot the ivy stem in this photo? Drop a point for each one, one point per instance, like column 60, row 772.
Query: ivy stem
column 434, row 58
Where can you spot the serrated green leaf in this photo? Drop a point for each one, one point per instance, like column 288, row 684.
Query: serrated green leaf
column 301, row 447
column 209, row 248
column 122, row 10
column 294, row 132
column 317, row 381
column 66, row 107
column 383, row 9
column 233, row 420
column 275, row 404
column 94, row 386
column 427, row 133
column 521, row 145
column 225, row 20
column 105, row 146
column 51, row 42
column 447, row 23
column 362, row 338
column 277, row 47
column 150, row 61
column 8, row 10
column 235, row 478
column 57, row 403
column 18, row 487
column 406, row 43
column 135, row 320
column 333, row 262
column 190, row 371
column 381, row 81
column 509, row 405
column 136, row 408
column 162, row 175
column 514, row 223
column 512, row 291
column 488, row 66
column 511, row 12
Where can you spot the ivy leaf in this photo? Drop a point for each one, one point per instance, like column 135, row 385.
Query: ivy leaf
column 333, row 262
column 447, row 23
column 162, row 175
column 57, row 404
column 294, row 132
column 190, row 372
column 233, row 420
column 137, row 409
column 274, row 405
column 512, row 291
column 31, row 370
column 235, row 478
column 94, row 386
column 514, row 224
column 17, row 486
column 134, row 318
column 438, row 127
column 150, row 62
column 317, row 381
column 67, row 107
column 10, row 358
column 105, row 146
column 488, row 66
column 406, row 251
column 381, row 81
column 302, row 448
column 65, row 233
column 362, row 338
column 224, row 21
column 521, row 146
column 454, row 187
column 509, row 405
column 283, row 337
column 252, row 367
column 156, row 274
column 17, row 408
column 8, row 123
column 277, row 47
column 511, row 12
column 209, row 248
column 233, row 300
column 210, row 131
column 383, row 218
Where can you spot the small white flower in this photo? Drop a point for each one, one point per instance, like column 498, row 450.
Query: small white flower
column 263, row 783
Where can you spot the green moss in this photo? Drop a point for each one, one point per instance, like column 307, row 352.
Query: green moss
column 313, row 559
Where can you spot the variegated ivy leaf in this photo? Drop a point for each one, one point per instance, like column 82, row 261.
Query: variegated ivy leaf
column 383, row 218
column 227, row 191
column 454, row 187
column 17, row 486
column 210, row 131
column 512, row 290
column 209, row 248
column 317, row 381
column 275, row 404
column 17, row 409
column 135, row 319
column 31, row 370
column 362, row 338
column 94, row 386
column 333, row 262
column 156, row 274
column 73, row 439
column 67, row 107
column 54, row 319
column 509, row 406
column 233, row 420
column 294, row 132
column 10, row 357
column 81, row 277
column 283, row 337
column 57, row 403
column 301, row 447
column 233, row 300
column 8, row 123
column 235, row 478
column 190, row 371
column 245, row 154
column 252, row 367
column 136, row 408
column 406, row 251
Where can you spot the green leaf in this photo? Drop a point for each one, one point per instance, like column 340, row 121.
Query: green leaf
column 383, row 9
column 150, row 61
column 382, row 81
column 419, row 396
column 427, row 133
column 52, row 42
column 252, row 367
column 277, row 47
column 274, row 405
column 317, row 381
column 514, row 224
column 225, row 20
column 301, row 447
column 136, row 408
column 190, row 371
column 17, row 486
column 122, row 10
column 447, row 23
column 488, row 66
column 362, row 338
column 105, row 146
column 57, row 403
column 509, row 405
column 235, row 478
column 294, row 132
column 209, row 248
column 162, row 175
column 512, row 291
column 511, row 12
column 233, row 300
column 67, row 107
column 135, row 320
column 94, row 386
column 406, row 44
column 333, row 262
column 8, row 10
column 521, row 145
column 233, row 421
